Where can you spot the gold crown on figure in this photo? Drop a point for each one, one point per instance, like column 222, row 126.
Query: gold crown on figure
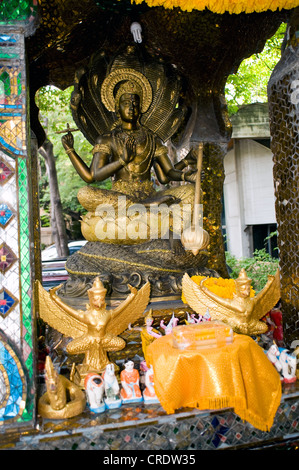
column 131, row 81
column 97, row 287
column 243, row 278
column 149, row 316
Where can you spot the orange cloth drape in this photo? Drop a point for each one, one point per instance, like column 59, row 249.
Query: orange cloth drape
column 237, row 375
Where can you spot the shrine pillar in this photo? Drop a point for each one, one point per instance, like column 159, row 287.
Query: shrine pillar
column 283, row 94
column 18, row 222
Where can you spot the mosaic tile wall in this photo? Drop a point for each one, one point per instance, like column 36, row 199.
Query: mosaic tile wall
column 16, row 329
column 147, row 427
column 283, row 92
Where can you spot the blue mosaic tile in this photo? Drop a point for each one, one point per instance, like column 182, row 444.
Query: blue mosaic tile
column 7, row 302
column 6, row 215
column 15, row 385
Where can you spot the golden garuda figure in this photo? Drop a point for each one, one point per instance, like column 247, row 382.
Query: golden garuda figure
column 130, row 111
column 94, row 331
column 243, row 312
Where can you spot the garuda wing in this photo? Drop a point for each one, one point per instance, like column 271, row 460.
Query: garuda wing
column 129, row 310
column 199, row 301
column 268, row 297
column 55, row 316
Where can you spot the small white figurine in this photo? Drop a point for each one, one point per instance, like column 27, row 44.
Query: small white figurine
column 129, row 377
column 112, row 390
column 191, row 319
column 207, row 316
column 273, row 354
column 94, row 387
column 149, row 394
column 284, row 362
column 172, row 323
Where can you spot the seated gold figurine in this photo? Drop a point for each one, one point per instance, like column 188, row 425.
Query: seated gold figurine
column 94, row 331
column 242, row 313
column 127, row 153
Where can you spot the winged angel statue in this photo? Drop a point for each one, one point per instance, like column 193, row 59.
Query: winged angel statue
column 94, row 331
column 243, row 313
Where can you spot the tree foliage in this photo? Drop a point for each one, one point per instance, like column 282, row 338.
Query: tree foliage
column 249, row 84
column 55, row 114
column 258, row 267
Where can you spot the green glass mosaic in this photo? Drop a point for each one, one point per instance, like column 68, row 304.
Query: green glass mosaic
column 26, row 301
column 17, row 10
column 5, row 78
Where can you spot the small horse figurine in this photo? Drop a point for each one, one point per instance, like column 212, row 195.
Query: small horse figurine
column 112, row 397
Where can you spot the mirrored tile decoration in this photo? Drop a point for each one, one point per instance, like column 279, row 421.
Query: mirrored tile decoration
column 17, row 395
column 7, row 302
column 6, row 215
column 5, row 172
column 283, row 94
column 12, row 11
column 7, row 258
column 12, row 383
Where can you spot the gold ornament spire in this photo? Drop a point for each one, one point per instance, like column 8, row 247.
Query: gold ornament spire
column 243, row 278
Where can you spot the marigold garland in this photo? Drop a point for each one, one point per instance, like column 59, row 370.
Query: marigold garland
column 225, row 288
column 217, row 6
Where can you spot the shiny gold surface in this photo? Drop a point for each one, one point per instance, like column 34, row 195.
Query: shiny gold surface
column 242, row 313
column 63, row 399
column 195, row 238
column 95, row 331
column 70, row 32
column 129, row 148
column 134, row 82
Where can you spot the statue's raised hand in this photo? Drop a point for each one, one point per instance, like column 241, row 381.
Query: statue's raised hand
column 68, row 141
column 129, row 149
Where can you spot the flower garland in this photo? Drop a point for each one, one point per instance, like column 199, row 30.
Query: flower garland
column 231, row 6
column 225, row 288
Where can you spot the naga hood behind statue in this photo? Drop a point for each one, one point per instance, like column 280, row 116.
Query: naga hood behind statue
column 166, row 112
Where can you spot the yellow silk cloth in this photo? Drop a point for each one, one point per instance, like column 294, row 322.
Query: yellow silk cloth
column 238, row 375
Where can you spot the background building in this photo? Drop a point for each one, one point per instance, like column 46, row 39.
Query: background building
column 249, row 203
